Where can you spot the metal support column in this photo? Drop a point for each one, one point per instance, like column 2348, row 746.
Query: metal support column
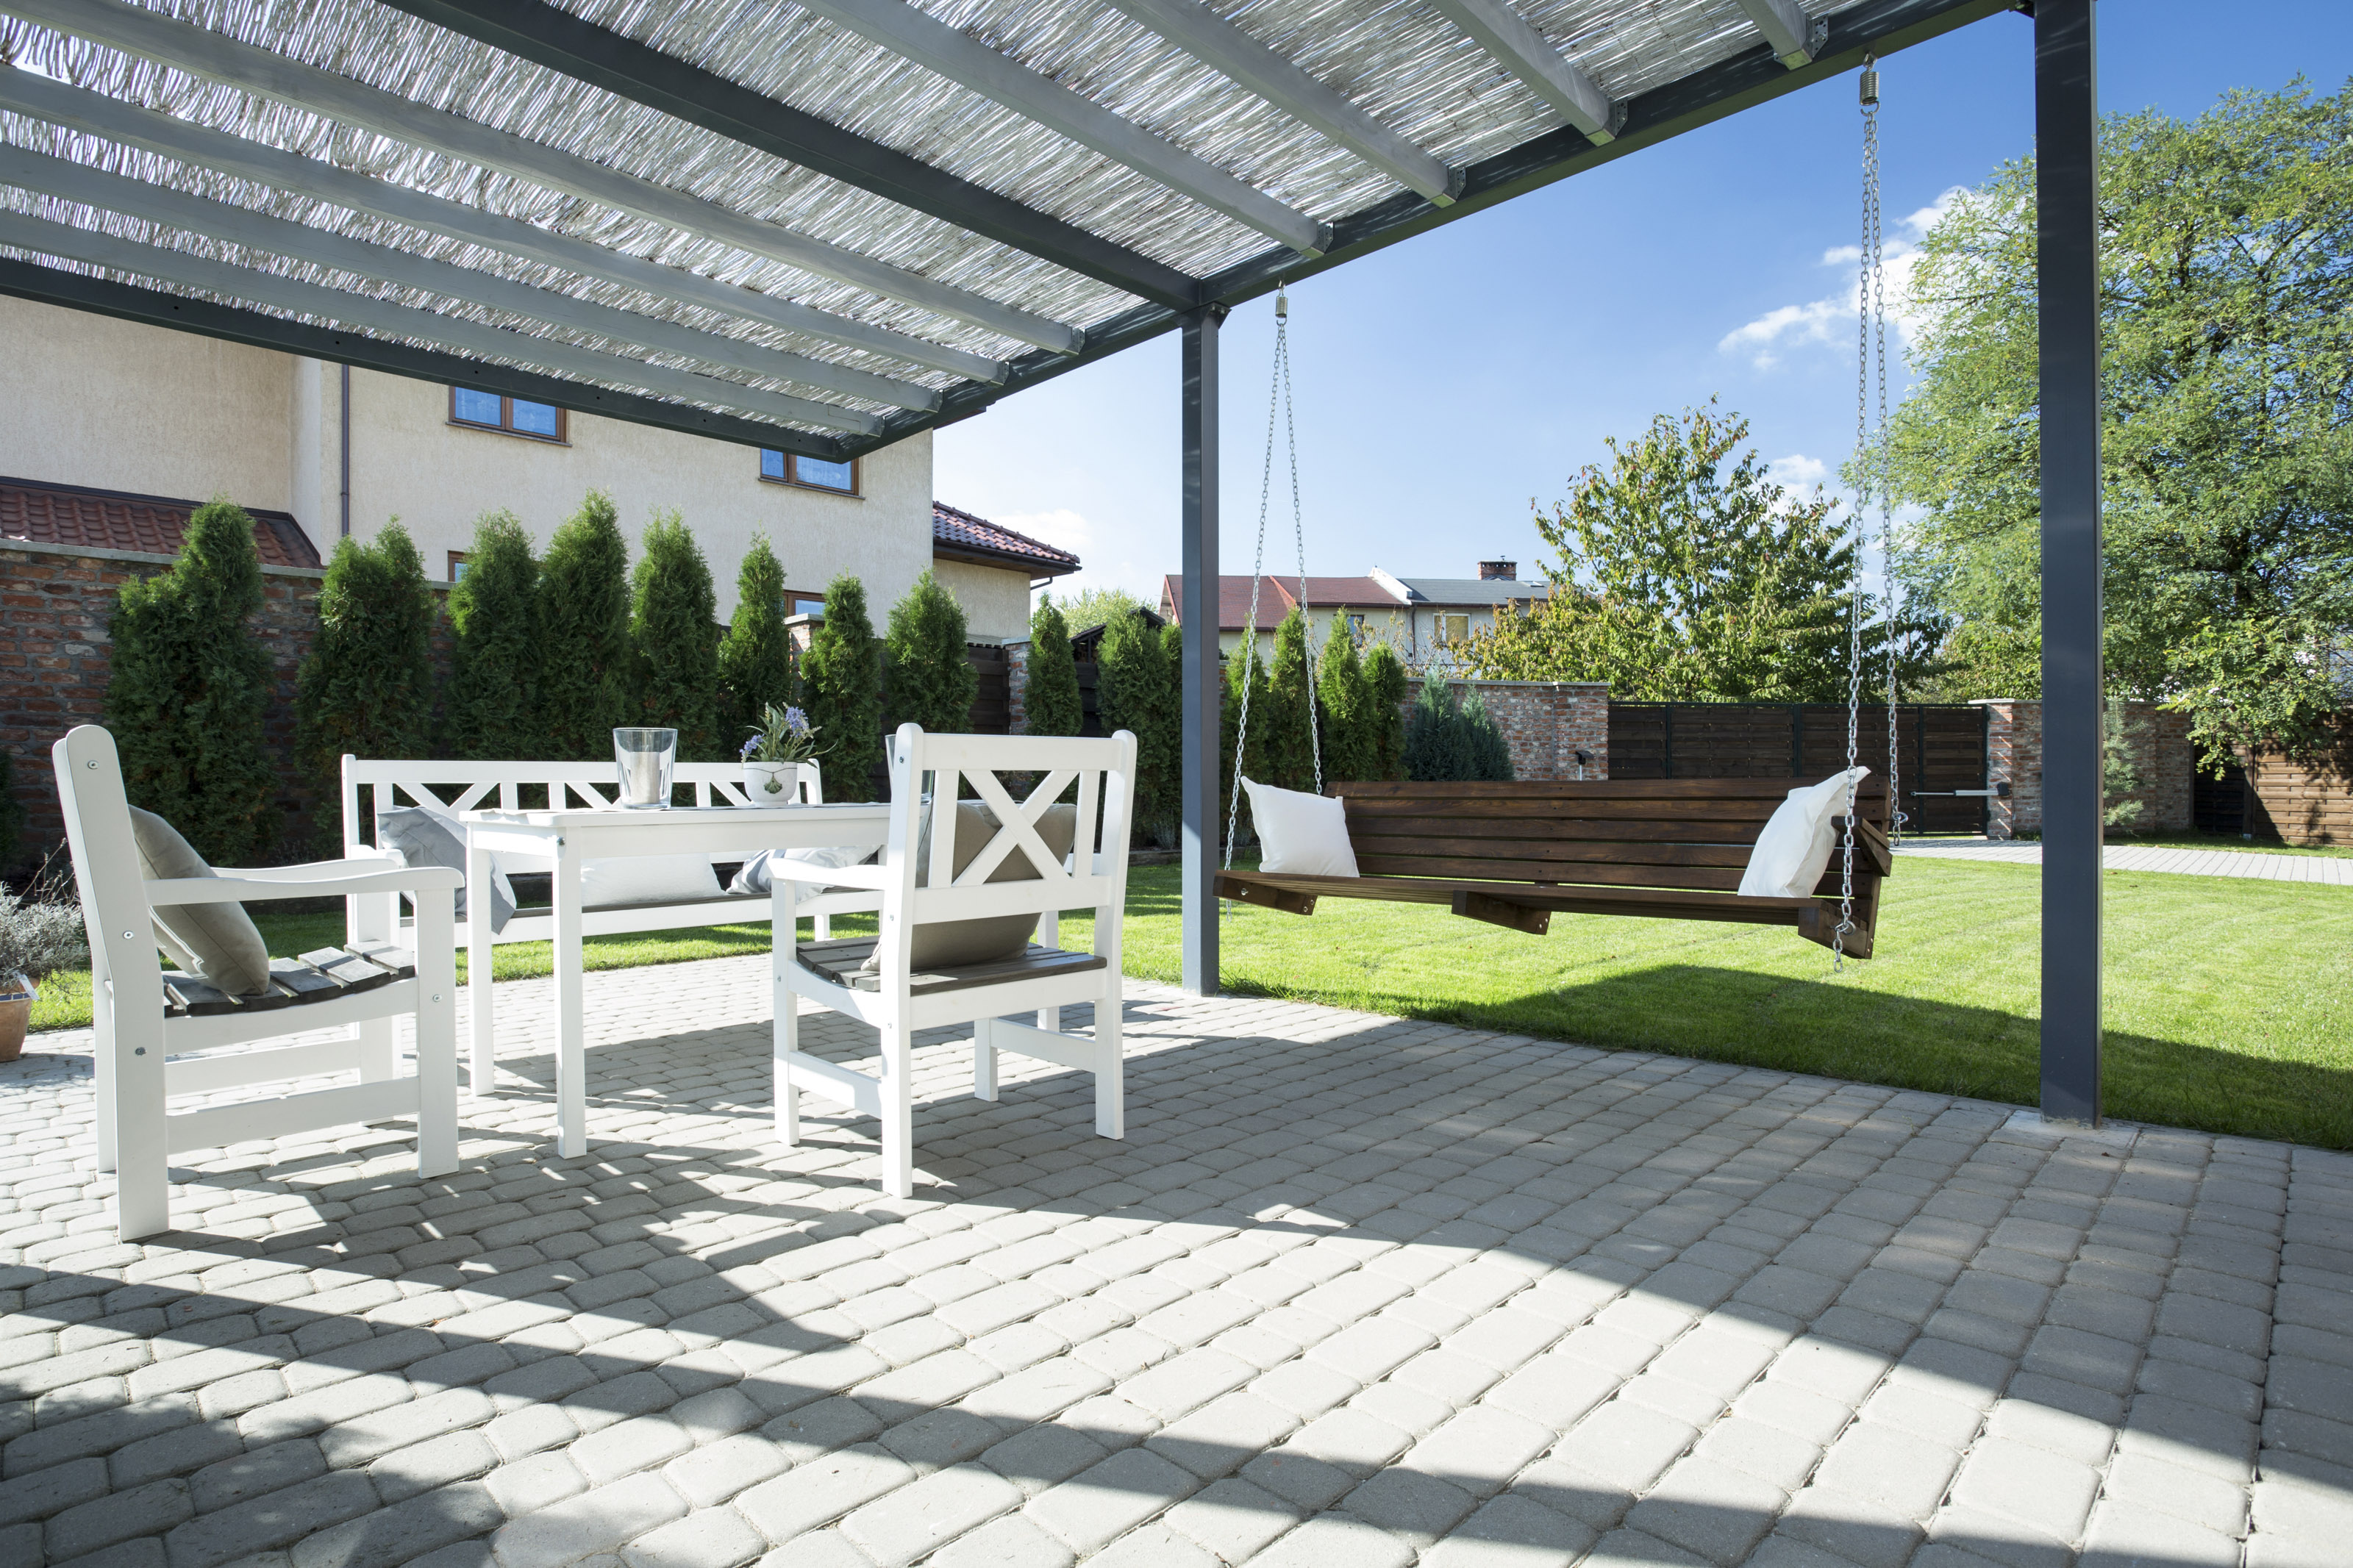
column 1197, row 613
column 2066, row 122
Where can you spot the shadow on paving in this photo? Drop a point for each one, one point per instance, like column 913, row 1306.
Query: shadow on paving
column 732, row 1342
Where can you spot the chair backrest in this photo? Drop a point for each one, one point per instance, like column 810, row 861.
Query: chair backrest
column 1692, row 834
column 114, row 909
column 938, row 767
column 449, row 788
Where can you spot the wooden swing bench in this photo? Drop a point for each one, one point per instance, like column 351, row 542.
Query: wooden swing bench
column 1514, row 853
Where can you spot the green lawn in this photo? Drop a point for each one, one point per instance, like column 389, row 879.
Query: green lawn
column 2229, row 1007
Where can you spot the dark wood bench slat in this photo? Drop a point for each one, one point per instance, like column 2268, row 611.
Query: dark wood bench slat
column 1722, row 878
column 839, row 961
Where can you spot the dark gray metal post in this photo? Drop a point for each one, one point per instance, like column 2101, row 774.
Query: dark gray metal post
column 2066, row 140
column 1199, row 614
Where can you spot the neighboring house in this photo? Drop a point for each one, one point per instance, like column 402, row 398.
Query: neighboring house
column 163, row 419
column 1424, row 618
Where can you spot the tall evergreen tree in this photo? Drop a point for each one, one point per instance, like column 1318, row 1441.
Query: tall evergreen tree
column 1385, row 681
column 674, row 639
column 932, row 681
column 583, row 628
column 842, row 692
column 755, row 661
column 1450, row 739
column 1135, row 691
column 1347, row 704
column 1245, row 676
column 366, row 686
column 492, row 715
column 1282, row 725
column 189, row 687
column 1053, row 706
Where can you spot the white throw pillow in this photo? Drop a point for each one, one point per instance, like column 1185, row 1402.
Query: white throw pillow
column 1305, row 834
column 755, row 877
column 1795, row 848
column 647, row 879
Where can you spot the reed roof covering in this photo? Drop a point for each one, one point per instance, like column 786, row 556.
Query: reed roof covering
column 782, row 223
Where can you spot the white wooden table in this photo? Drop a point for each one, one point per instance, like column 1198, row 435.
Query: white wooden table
column 564, row 840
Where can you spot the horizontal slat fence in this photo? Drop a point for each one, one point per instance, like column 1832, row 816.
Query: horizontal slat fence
column 1941, row 747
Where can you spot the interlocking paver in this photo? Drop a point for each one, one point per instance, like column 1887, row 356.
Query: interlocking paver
column 1354, row 1289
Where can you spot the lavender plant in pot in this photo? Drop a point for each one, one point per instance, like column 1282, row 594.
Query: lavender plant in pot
column 780, row 742
column 37, row 936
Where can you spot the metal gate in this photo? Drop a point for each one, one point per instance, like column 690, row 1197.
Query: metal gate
column 1944, row 749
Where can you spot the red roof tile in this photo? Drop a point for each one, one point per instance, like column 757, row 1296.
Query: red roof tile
column 150, row 525
column 1277, row 595
column 964, row 535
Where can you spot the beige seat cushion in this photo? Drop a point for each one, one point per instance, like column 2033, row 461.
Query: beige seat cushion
column 216, row 943
column 943, row 944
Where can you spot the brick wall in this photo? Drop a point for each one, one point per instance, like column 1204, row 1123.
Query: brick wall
column 54, row 659
column 2161, row 749
column 1545, row 722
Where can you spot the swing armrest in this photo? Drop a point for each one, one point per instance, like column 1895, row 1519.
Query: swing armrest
column 1871, row 845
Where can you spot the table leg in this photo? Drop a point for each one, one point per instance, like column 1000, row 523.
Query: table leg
column 481, row 1077
column 571, row 1068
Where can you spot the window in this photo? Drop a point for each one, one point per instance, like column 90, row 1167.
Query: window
column 1452, row 629
column 805, row 605
column 457, row 566
column 809, row 473
column 515, row 415
column 1356, row 627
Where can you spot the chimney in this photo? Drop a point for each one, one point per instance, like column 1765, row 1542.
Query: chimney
column 1492, row 571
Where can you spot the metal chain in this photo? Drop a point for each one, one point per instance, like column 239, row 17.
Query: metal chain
column 1298, row 523
column 1869, row 308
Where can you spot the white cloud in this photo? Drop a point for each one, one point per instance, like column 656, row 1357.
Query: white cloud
column 1798, row 470
column 1835, row 319
column 1106, row 558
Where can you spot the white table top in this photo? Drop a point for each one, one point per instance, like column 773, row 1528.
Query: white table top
column 680, row 817
column 680, row 830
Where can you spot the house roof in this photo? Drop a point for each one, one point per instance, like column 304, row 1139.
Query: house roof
column 1277, row 596
column 117, row 520
column 960, row 536
column 1477, row 592
column 1084, row 644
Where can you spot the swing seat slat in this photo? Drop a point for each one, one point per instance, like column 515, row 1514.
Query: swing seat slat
column 1514, row 854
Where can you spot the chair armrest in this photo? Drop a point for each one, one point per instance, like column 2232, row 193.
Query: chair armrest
column 362, row 859
column 171, row 891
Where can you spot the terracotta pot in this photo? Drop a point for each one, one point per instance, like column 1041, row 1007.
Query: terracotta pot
column 16, row 1012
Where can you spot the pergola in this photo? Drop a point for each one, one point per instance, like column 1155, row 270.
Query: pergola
column 822, row 225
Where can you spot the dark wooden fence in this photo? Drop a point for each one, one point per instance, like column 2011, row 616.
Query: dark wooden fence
column 1942, row 748
column 992, row 700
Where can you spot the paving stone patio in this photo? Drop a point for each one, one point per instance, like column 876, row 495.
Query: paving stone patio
column 1354, row 1293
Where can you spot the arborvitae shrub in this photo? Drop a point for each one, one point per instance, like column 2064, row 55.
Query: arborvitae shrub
column 674, row 639
column 492, row 715
column 189, row 688
column 583, row 628
column 1052, row 706
column 842, row 693
column 932, row 681
column 1243, row 674
column 1347, row 704
column 1447, row 742
column 1282, row 723
column 366, row 686
column 1135, row 690
column 755, row 661
column 1384, row 712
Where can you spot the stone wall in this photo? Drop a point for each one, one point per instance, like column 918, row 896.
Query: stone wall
column 1545, row 723
column 55, row 659
column 2161, row 748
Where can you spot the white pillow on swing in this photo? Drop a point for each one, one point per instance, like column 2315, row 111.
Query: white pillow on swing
column 1795, row 848
column 1305, row 834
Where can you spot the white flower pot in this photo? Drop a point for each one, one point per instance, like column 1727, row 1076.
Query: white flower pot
column 772, row 784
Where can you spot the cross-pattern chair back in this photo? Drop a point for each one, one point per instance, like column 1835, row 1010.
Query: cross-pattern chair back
column 114, row 909
column 938, row 767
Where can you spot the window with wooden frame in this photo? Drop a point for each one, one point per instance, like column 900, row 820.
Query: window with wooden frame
column 1452, row 629
column 805, row 605
column 479, row 410
column 457, row 566
column 809, row 473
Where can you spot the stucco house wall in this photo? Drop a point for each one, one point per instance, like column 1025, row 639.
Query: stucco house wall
column 996, row 602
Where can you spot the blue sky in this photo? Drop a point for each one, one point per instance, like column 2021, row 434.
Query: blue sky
column 1443, row 382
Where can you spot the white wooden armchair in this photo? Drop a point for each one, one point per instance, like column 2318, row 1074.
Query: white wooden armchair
column 898, row 1001
column 157, row 1035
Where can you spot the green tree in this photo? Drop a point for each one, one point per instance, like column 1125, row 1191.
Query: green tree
column 1686, row 573
column 1052, row 705
column 583, row 628
column 755, row 661
column 1246, row 680
column 2226, row 256
column 1135, row 690
column 2120, row 776
column 492, row 715
column 1284, row 719
column 1446, row 740
column 1384, row 683
column 932, row 681
column 1098, row 607
column 842, row 692
column 1346, row 703
column 674, row 640
column 189, row 688
column 366, row 686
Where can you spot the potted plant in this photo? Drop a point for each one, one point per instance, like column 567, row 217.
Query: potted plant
column 36, row 938
column 780, row 742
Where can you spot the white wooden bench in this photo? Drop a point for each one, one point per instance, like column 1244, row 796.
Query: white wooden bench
column 372, row 787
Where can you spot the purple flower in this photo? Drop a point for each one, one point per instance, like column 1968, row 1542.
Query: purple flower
column 797, row 722
column 750, row 746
